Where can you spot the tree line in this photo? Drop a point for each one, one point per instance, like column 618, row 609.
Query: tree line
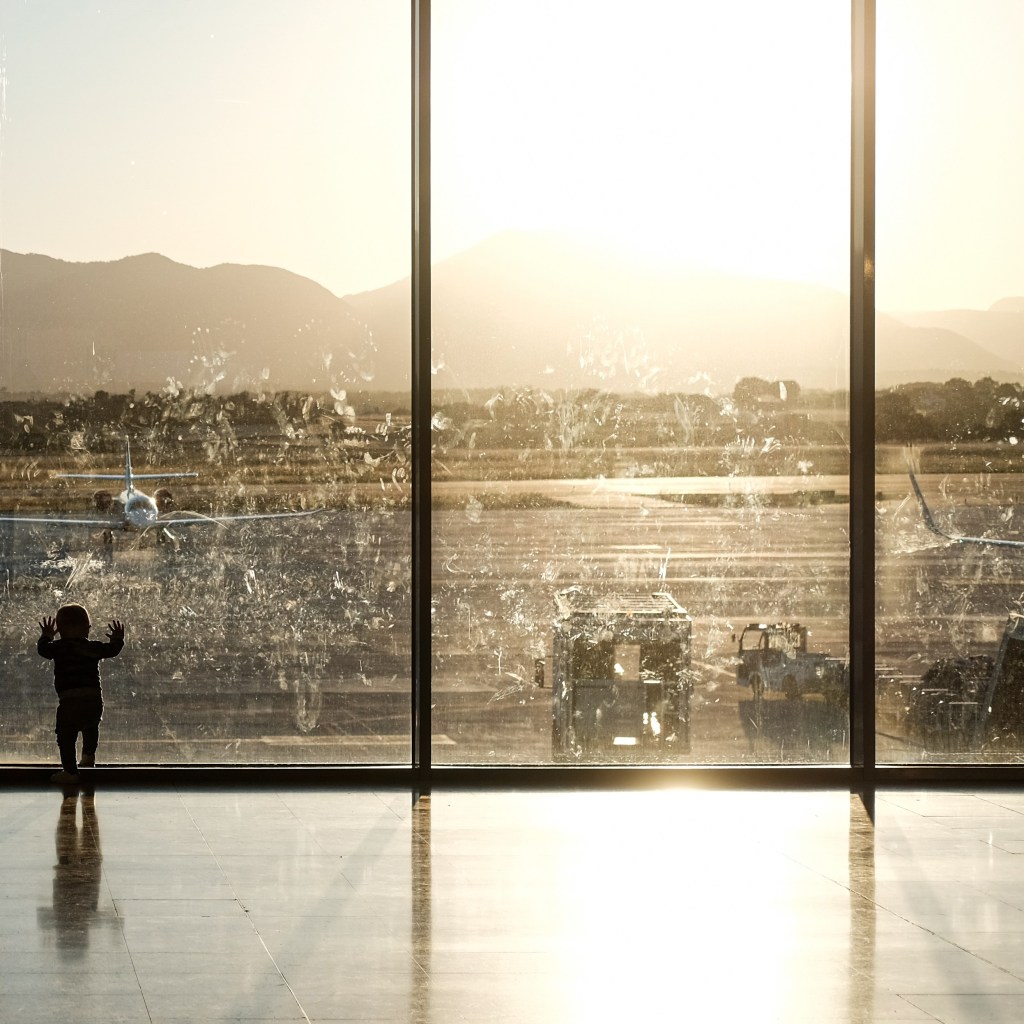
column 525, row 417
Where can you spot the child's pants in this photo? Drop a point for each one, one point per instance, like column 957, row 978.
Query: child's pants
column 79, row 711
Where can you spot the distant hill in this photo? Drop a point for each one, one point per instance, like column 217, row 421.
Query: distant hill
column 519, row 309
column 545, row 310
column 999, row 329
column 133, row 323
column 548, row 311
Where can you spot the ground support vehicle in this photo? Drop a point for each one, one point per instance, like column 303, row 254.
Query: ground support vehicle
column 773, row 657
column 1002, row 711
column 622, row 681
column 941, row 710
column 973, row 703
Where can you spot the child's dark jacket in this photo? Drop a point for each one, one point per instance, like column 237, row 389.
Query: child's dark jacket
column 76, row 660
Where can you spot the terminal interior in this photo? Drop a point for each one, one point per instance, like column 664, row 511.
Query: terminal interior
column 680, row 698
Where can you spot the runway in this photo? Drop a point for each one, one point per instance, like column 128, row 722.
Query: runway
column 289, row 641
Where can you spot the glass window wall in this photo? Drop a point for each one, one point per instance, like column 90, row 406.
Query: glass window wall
column 950, row 378
column 640, row 349
column 204, row 386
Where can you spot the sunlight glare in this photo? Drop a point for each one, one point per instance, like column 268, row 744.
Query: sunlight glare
column 675, row 919
column 688, row 138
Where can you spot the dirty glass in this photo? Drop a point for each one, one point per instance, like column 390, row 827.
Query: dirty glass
column 204, row 270
column 640, row 359
column 950, row 383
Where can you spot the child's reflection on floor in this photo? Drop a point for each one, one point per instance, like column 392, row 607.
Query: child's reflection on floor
column 77, row 873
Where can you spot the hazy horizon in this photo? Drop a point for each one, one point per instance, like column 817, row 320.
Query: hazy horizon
column 285, row 142
column 642, row 261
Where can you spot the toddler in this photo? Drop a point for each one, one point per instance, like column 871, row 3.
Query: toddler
column 76, row 678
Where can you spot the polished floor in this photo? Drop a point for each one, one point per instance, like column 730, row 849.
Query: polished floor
column 778, row 908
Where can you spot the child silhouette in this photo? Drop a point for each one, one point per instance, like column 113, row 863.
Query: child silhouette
column 76, row 678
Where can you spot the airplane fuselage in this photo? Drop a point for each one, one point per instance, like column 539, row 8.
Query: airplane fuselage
column 140, row 511
column 132, row 510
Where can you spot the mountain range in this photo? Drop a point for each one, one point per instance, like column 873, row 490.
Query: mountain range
column 526, row 309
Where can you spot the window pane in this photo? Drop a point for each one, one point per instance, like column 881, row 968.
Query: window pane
column 950, row 412
column 205, row 209
column 640, row 346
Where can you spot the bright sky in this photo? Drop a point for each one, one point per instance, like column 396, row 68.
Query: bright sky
column 211, row 131
column 689, row 129
column 276, row 131
column 950, row 153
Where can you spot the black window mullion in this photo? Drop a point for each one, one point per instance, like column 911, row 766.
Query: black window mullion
column 421, row 397
column 862, row 393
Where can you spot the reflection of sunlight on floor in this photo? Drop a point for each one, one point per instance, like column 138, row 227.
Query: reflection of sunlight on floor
column 700, row 948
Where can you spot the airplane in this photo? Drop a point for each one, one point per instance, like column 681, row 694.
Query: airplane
column 135, row 511
column 957, row 538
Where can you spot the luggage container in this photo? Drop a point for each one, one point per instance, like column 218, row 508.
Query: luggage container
column 622, row 681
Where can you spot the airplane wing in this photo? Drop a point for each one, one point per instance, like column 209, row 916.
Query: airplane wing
column 59, row 521
column 957, row 538
column 120, row 476
column 157, row 476
column 88, row 476
column 195, row 519
column 172, row 518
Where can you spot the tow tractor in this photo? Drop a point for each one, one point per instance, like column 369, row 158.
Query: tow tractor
column 773, row 657
column 622, row 679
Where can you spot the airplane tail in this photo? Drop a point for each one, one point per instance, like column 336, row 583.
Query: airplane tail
column 126, row 476
column 926, row 512
column 958, row 538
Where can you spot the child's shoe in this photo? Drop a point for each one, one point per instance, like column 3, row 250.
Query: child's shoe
column 65, row 778
column 87, row 761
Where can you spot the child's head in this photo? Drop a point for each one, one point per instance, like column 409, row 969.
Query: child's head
column 73, row 621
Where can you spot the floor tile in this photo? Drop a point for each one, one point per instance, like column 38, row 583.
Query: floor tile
column 165, row 907
column 972, row 1008
column 220, row 995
